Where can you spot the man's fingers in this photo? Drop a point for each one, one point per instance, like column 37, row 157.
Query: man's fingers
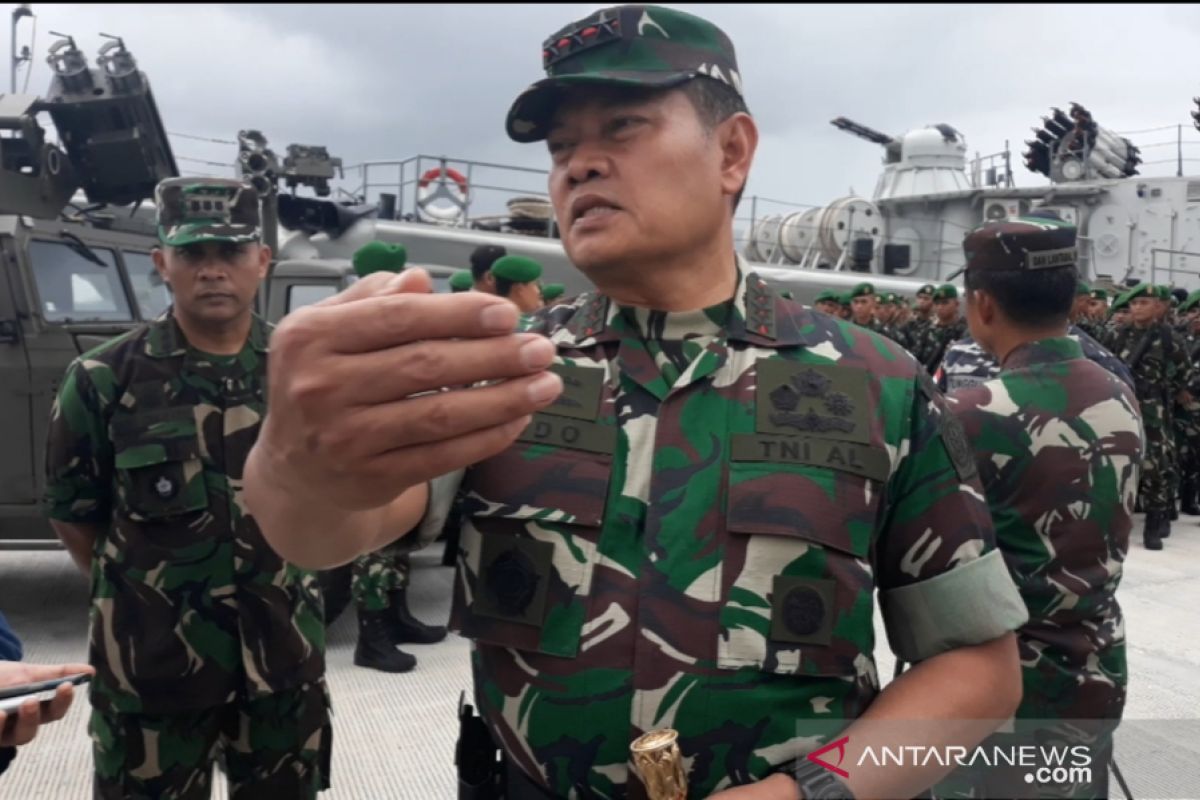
column 48, row 672
column 398, row 372
column 416, row 281
column 28, row 716
column 384, row 321
column 61, row 703
column 428, row 461
column 371, row 433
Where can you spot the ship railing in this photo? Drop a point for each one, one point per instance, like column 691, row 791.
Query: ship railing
column 992, row 170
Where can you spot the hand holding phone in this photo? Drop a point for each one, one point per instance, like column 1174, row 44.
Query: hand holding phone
column 22, row 689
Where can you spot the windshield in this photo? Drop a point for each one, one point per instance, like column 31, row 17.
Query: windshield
column 151, row 294
column 72, row 288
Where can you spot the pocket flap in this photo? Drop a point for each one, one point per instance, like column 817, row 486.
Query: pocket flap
column 529, row 482
column 834, row 509
column 155, row 451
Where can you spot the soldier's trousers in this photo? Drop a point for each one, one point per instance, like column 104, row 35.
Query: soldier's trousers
column 1154, row 487
column 275, row 747
column 378, row 573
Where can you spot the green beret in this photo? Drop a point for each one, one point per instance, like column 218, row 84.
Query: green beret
column 1099, row 294
column 552, row 291
column 461, row 281
column 1190, row 302
column 862, row 290
column 926, row 289
column 517, row 269
column 379, row 257
column 1141, row 290
column 1082, row 288
column 946, row 291
column 786, row 295
column 844, row 299
column 828, row 294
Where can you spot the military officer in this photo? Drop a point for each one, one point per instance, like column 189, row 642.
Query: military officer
column 1158, row 359
column 691, row 534
column 204, row 639
column 1066, row 547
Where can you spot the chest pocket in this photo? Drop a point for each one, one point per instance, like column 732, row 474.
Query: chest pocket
column 159, row 470
column 529, row 546
column 797, row 585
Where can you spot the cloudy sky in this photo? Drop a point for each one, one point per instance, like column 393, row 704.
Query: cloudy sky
column 386, row 82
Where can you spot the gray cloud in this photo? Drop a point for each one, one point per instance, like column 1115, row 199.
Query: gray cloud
column 388, row 82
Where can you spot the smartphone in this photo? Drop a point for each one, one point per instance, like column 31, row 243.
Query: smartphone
column 13, row 697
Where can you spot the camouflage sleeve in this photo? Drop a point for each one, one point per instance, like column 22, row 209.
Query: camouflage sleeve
column 1183, row 366
column 943, row 584
column 79, row 456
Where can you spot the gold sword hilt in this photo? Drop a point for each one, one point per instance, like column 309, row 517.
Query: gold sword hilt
column 660, row 765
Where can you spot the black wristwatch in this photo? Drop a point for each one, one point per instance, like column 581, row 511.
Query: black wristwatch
column 818, row 783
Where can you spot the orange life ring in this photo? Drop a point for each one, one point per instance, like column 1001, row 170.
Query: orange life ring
column 437, row 172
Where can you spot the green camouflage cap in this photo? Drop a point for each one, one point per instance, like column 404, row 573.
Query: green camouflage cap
column 379, row 257
column 553, row 291
column 647, row 46
column 862, row 290
column 945, row 292
column 193, row 210
column 461, row 281
column 517, row 269
column 926, row 289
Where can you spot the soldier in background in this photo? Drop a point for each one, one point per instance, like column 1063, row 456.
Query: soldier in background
column 863, row 302
column 462, row 281
column 844, row 307
column 1187, row 420
column 1097, row 312
column 967, row 364
column 1081, row 307
column 516, row 279
column 1065, row 546
column 205, row 641
column 608, row 589
column 828, row 302
column 551, row 292
column 482, row 259
column 948, row 326
column 885, row 313
column 1158, row 359
column 380, row 589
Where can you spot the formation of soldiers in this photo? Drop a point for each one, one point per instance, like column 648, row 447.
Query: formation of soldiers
column 1149, row 337
column 682, row 497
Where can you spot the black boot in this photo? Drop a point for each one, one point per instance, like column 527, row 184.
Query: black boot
column 406, row 627
column 1150, row 534
column 376, row 647
column 1188, row 494
column 1174, row 513
column 1164, row 527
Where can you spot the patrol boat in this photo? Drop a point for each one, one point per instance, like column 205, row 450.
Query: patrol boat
column 1131, row 228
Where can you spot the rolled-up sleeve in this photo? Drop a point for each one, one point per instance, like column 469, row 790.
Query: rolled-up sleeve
column 942, row 582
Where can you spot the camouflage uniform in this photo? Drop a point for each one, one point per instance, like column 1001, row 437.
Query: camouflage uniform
column 934, row 339
column 1159, row 362
column 196, row 623
column 966, row 363
column 376, row 575
column 690, row 538
column 1058, row 443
